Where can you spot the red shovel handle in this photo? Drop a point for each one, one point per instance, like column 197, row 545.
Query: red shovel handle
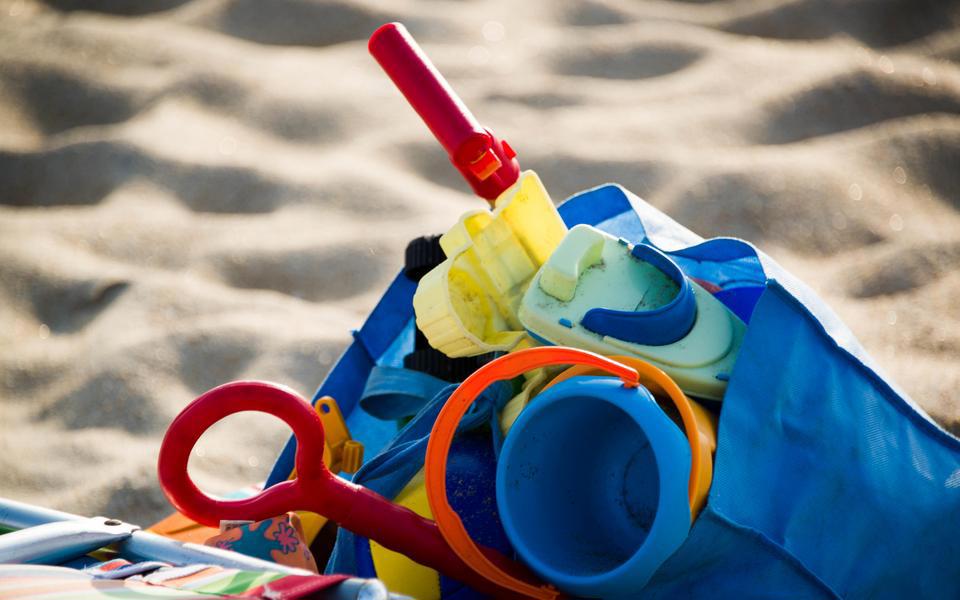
column 221, row 402
column 487, row 163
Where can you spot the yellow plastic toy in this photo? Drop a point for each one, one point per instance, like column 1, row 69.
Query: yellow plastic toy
column 468, row 304
column 532, row 384
column 341, row 453
column 399, row 573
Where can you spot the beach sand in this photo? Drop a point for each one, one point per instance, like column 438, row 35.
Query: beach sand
column 198, row 191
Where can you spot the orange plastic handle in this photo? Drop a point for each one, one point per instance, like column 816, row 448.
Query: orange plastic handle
column 441, row 437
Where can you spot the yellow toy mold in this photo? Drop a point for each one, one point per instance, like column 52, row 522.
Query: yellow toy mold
column 468, row 304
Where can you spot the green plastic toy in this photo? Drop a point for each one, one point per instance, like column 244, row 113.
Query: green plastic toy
column 603, row 294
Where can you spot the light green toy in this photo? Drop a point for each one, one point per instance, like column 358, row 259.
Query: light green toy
column 602, row 294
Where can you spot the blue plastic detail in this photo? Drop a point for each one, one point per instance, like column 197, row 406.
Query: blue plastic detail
column 539, row 338
column 607, row 207
column 592, row 487
column 723, row 377
column 657, row 327
column 565, row 322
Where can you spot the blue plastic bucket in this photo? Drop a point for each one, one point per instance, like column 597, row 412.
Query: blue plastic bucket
column 592, row 487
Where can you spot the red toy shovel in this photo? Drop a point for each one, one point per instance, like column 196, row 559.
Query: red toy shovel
column 315, row 488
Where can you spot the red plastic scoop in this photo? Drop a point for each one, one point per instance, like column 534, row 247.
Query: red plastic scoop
column 315, row 488
column 487, row 163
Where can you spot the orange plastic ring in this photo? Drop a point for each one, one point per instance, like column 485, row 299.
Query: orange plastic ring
column 699, row 424
column 441, row 437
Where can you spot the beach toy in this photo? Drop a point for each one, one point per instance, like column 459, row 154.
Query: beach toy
column 592, row 487
column 533, row 382
column 591, row 481
column 468, row 304
column 699, row 424
column 487, row 163
column 606, row 295
column 400, row 572
column 314, row 488
column 341, row 454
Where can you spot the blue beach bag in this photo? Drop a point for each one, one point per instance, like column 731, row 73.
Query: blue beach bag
column 829, row 482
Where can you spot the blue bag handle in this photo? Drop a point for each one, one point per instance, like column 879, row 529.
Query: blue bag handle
column 393, row 393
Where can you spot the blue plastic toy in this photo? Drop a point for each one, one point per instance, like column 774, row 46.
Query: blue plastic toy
column 592, row 487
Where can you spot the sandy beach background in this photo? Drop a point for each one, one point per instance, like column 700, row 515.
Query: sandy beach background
column 195, row 191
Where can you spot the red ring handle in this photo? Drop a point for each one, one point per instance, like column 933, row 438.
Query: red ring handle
column 223, row 401
column 315, row 488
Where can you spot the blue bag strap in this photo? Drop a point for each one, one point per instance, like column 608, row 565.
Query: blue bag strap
column 393, row 393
